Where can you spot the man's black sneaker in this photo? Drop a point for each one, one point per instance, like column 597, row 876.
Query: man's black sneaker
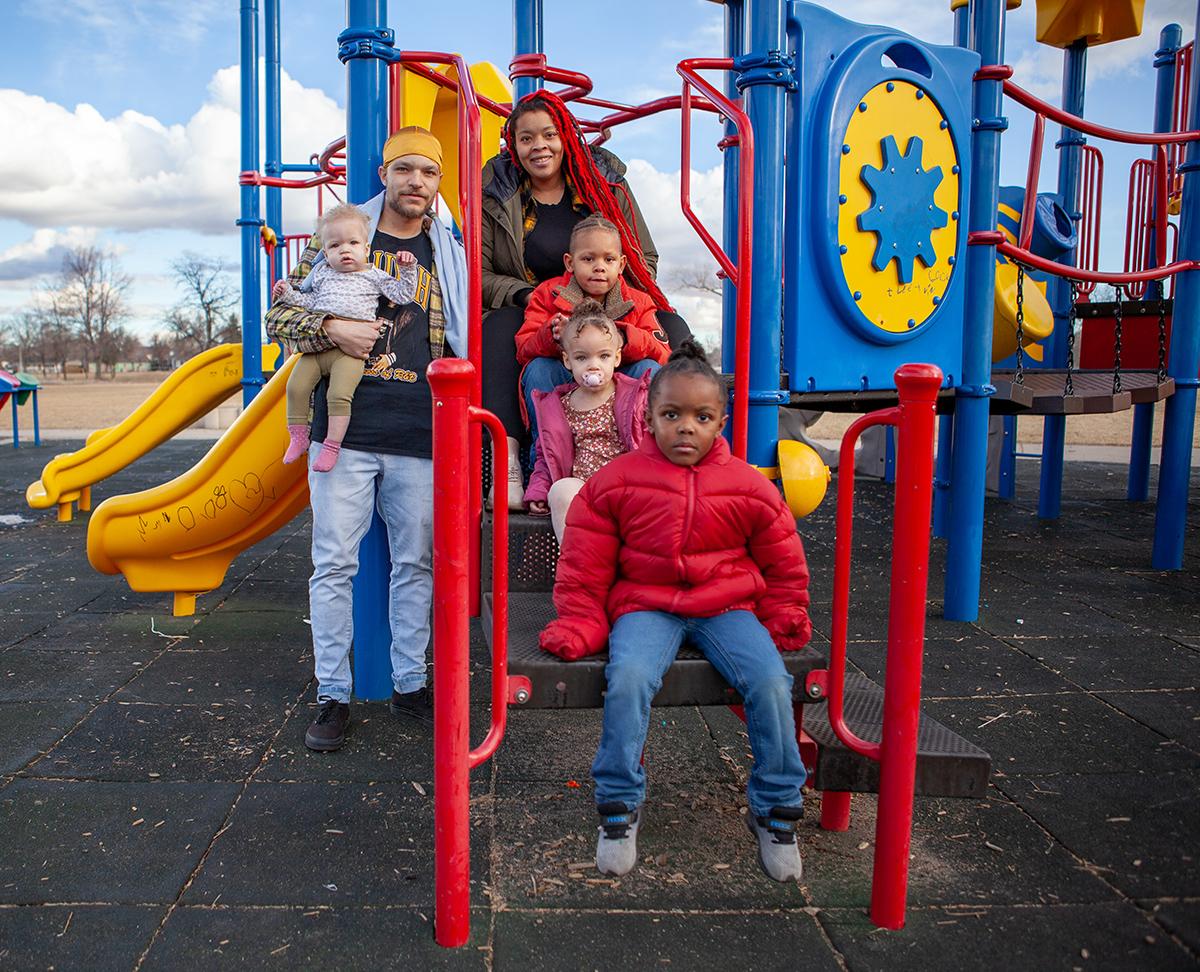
column 328, row 730
column 416, row 705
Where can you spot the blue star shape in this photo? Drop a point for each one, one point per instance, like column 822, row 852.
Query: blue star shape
column 902, row 213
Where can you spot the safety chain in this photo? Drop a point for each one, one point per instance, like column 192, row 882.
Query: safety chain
column 1020, row 377
column 1069, row 385
column 1117, row 317
column 1162, row 337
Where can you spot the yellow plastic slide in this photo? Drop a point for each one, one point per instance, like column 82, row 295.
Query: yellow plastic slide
column 183, row 535
column 192, row 390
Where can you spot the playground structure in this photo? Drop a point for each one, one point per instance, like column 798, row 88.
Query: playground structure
column 841, row 350
column 20, row 388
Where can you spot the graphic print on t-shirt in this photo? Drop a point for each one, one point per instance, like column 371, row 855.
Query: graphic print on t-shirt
column 388, row 349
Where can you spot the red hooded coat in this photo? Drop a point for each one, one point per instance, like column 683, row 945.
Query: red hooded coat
column 646, row 534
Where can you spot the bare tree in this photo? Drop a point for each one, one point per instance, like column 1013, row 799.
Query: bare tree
column 91, row 296
column 699, row 277
column 205, row 317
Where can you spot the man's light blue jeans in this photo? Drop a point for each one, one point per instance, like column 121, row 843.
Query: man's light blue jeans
column 343, row 500
column 640, row 650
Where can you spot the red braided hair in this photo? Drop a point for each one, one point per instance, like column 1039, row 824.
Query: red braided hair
column 593, row 189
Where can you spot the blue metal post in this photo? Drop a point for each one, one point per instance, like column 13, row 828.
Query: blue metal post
column 1169, row 41
column 1054, row 433
column 945, row 448
column 1174, row 469
column 273, row 163
column 964, row 551
column 366, row 129
column 764, row 77
column 1007, row 473
column 527, row 39
column 735, row 45
column 250, row 221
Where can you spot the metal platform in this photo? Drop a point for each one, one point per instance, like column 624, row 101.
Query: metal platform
column 1092, row 391
column 947, row 764
column 557, row 684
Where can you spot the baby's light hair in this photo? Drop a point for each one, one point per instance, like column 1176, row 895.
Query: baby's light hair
column 589, row 313
column 591, row 224
column 340, row 213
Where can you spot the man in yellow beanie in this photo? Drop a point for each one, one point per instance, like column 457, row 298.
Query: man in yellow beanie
column 386, row 457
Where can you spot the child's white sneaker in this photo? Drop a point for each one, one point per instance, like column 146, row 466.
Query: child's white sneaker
column 778, row 854
column 616, row 845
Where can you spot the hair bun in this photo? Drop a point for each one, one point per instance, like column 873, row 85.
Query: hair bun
column 689, row 347
column 588, row 307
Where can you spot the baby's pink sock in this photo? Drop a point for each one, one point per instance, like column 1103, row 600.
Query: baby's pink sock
column 328, row 456
column 297, row 443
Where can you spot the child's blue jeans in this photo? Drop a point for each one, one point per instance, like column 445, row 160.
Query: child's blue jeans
column 641, row 648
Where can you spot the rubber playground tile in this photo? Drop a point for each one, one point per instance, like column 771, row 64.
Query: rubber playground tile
column 88, row 631
column 257, row 594
column 1098, row 664
column 19, row 628
column 964, row 852
column 126, row 741
column 379, row 746
column 1046, row 615
column 286, row 938
column 34, row 676
column 1180, row 918
column 678, row 749
column 1174, row 714
column 28, row 729
column 332, row 844
column 262, row 631
column 76, row 936
column 1137, row 830
column 693, row 847
column 120, row 843
column 1113, row 936
column 181, row 675
column 51, row 592
column 119, row 599
column 974, row 664
column 613, row 941
column 1071, row 733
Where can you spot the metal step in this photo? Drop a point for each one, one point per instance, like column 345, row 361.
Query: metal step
column 947, row 764
column 557, row 684
column 532, row 553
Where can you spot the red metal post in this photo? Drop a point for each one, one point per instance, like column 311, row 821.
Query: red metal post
column 917, row 386
column 835, row 810
column 451, row 381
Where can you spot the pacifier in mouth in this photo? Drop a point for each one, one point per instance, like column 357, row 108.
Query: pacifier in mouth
column 593, row 380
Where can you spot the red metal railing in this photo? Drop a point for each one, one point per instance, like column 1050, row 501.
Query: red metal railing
column 535, row 66
column 1091, row 190
column 917, row 386
column 453, row 383
column 1044, row 110
column 739, row 274
column 1179, row 108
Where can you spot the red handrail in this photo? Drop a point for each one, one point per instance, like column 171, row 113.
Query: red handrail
column 535, row 66
column 739, row 275
column 452, row 383
column 917, row 387
column 997, row 239
column 1091, row 188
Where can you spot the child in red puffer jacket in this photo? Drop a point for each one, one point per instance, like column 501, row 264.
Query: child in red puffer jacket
column 680, row 541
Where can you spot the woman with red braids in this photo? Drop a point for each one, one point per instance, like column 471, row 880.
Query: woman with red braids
column 534, row 193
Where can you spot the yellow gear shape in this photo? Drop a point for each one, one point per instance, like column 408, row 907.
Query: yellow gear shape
column 902, row 113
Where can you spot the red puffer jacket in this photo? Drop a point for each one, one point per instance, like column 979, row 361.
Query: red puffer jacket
column 647, row 535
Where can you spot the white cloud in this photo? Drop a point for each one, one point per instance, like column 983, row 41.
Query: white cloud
column 131, row 172
column 42, row 254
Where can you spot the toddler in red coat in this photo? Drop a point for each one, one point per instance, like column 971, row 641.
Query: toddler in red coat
column 678, row 541
column 594, row 267
column 587, row 422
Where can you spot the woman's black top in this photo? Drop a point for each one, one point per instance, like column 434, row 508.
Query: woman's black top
column 550, row 238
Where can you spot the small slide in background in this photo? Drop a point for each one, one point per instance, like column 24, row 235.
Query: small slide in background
column 192, row 390
column 183, row 535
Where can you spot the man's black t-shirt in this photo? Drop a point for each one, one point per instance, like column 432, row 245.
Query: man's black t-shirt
column 392, row 410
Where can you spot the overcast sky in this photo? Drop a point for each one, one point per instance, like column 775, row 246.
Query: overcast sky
column 120, row 120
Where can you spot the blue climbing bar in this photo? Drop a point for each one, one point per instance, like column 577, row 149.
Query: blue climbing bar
column 527, row 39
column 1174, row 470
column 250, row 221
column 969, row 468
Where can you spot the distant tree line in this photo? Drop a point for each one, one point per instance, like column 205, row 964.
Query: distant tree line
column 79, row 319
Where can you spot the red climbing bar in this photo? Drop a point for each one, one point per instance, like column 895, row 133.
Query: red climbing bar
column 451, row 381
column 917, row 385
